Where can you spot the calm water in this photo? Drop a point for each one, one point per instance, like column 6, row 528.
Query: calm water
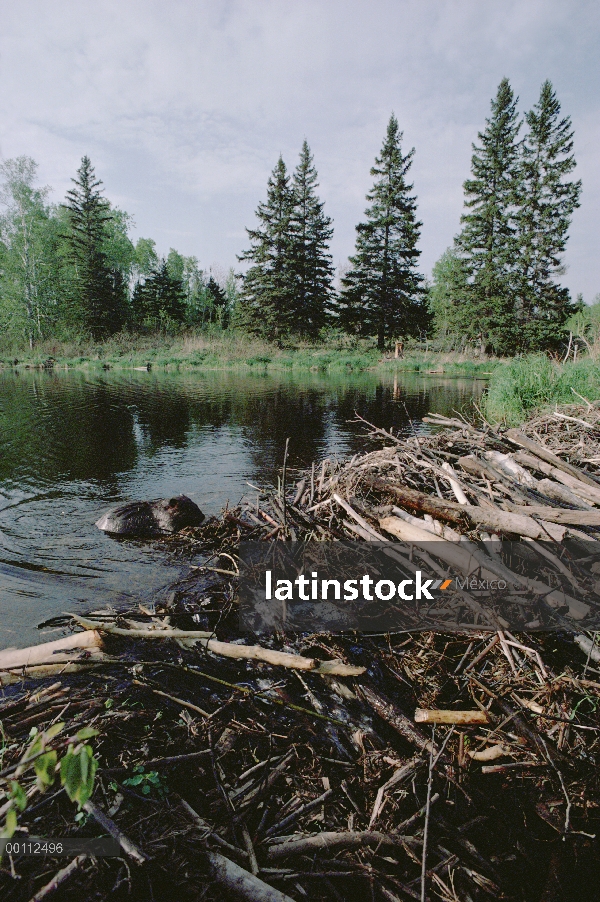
column 73, row 444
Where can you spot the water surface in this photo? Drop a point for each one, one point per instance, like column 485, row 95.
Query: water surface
column 73, row 444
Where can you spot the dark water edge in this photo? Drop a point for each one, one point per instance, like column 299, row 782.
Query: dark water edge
column 73, row 444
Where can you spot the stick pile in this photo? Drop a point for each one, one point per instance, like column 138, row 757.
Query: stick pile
column 425, row 765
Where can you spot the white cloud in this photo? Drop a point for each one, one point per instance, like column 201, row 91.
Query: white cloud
column 184, row 107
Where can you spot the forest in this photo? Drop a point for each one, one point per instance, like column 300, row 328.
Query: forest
column 71, row 269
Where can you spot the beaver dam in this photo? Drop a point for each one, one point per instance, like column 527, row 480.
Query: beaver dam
column 458, row 762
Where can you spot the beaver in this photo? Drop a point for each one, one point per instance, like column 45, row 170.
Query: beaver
column 145, row 519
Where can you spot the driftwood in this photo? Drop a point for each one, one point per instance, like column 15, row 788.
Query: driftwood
column 57, row 652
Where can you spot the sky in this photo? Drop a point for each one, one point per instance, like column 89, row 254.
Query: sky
column 184, row 107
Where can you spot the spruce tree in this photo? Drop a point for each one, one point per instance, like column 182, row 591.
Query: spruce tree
column 218, row 301
column 546, row 202
column 99, row 299
column 382, row 292
column 266, row 304
column 159, row 300
column 310, row 234
column 488, row 243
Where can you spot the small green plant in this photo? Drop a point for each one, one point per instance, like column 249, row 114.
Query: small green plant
column 147, row 783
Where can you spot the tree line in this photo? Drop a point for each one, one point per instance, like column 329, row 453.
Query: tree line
column 73, row 267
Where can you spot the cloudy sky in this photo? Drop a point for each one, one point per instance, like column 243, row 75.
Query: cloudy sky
column 185, row 106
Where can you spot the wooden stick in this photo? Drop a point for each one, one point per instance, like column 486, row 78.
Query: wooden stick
column 395, row 718
column 59, row 878
column 107, row 824
column 242, row 883
column 589, row 492
column 55, row 652
column 230, row 650
column 330, row 841
column 437, row 715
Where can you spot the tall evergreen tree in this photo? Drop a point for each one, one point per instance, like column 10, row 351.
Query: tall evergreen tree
column 382, row 292
column 546, row 202
column 99, row 299
column 266, row 304
column 310, row 234
column 159, row 300
column 488, row 243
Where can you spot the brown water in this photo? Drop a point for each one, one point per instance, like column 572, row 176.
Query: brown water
column 74, row 444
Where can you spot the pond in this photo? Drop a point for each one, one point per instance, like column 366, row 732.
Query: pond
column 73, row 444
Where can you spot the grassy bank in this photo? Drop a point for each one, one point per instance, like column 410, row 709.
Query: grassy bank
column 534, row 384
column 230, row 350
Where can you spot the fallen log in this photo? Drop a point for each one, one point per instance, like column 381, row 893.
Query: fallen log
column 491, row 520
column 57, row 652
column 81, row 651
column 558, row 514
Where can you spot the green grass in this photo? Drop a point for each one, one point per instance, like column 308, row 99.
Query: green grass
column 534, row 383
column 232, row 350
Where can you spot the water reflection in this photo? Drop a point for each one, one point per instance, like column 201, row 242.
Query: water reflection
column 73, row 443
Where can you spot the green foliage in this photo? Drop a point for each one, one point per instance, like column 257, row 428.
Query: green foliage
column 98, row 298
column 545, row 204
column 159, row 300
column 382, row 292
column 77, row 768
column 29, row 290
column 311, row 262
column 77, row 772
column 487, row 243
column 535, row 382
column 267, row 296
column 448, row 294
column 519, row 205
column 147, row 783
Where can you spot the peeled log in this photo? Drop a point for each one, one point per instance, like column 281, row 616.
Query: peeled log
column 57, row 652
column 438, row 715
column 490, row 520
column 545, row 454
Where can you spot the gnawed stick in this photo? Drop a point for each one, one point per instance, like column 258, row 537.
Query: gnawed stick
column 396, row 719
column 242, row 883
column 109, row 825
column 330, row 841
column 229, row 649
column 437, row 715
column 298, row 813
column 59, row 878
